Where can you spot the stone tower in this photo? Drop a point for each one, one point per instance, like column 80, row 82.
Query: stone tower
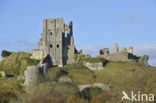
column 115, row 47
column 57, row 41
column 130, row 50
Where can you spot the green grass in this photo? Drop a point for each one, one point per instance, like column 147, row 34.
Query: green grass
column 9, row 89
column 16, row 63
column 128, row 76
column 80, row 74
column 94, row 60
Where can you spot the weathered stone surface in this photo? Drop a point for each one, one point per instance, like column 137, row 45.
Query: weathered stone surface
column 65, row 79
column 94, row 66
column 122, row 55
column 21, row 78
column 82, row 87
column 104, row 51
column 81, row 51
column 124, row 50
column 102, row 86
column 115, row 48
column 57, row 42
column 37, row 54
column 31, row 78
column 130, row 50
column 99, row 85
column 2, row 74
column 44, row 64
column 144, row 60
column 47, row 60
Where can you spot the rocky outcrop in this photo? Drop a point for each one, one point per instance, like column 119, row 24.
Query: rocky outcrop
column 65, row 79
column 102, row 86
column 94, row 66
column 2, row 74
column 144, row 60
column 82, row 87
column 99, row 85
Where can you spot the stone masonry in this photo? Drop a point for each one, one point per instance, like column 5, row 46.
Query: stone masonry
column 117, row 55
column 57, row 41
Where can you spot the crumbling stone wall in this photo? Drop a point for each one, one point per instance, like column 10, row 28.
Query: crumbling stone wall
column 57, row 41
column 37, row 54
column 117, row 55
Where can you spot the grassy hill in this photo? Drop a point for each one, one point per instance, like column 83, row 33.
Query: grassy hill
column 121, row 76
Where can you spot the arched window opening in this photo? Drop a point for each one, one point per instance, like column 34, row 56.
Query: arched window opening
column 51, row 33
column 51, row 45
column 57, row 46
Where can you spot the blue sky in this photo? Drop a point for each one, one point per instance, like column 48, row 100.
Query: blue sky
column 97, row 23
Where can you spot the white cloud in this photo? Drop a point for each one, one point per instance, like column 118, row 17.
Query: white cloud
column 130, row 17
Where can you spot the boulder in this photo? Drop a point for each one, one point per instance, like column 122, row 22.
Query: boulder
column 102, row 86
column 65, row 79
column 82, row 87
column 94, row 66
column 21, row 78
column 2, row 74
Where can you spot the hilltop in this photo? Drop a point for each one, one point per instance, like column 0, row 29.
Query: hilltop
column 61, row 84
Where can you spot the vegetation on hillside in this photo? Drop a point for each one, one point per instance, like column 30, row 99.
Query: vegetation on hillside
column 121, row 76
column 16, row 63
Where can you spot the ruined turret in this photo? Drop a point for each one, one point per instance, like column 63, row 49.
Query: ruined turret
column 124, row 50
column 115, row 47
column 130, row 50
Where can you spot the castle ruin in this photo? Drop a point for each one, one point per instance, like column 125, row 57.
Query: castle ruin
column 57, row 41
column 123, row 55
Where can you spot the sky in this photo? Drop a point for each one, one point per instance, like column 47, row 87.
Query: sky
column 96, row 24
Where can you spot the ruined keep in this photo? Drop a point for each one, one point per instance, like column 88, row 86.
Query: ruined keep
column 123, row 55
column 57, row 41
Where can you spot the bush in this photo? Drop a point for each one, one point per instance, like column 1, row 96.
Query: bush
column 55, row 73
column 88, row 93
column 5, row 53
column 16, row 63
column 9, row 89
column 76, row 99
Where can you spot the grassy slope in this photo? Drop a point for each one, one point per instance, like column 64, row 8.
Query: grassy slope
column 120, row 75
column 128, row 76
column 16, row 63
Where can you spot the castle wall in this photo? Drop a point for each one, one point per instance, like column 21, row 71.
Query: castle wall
column 122, row 55
column 57, row 42
column 37, row 54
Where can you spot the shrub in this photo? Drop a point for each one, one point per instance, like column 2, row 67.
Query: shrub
column 55, row 73
column 5, row 53
column 88, row 93
column 76, row 99
column 16, row 63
